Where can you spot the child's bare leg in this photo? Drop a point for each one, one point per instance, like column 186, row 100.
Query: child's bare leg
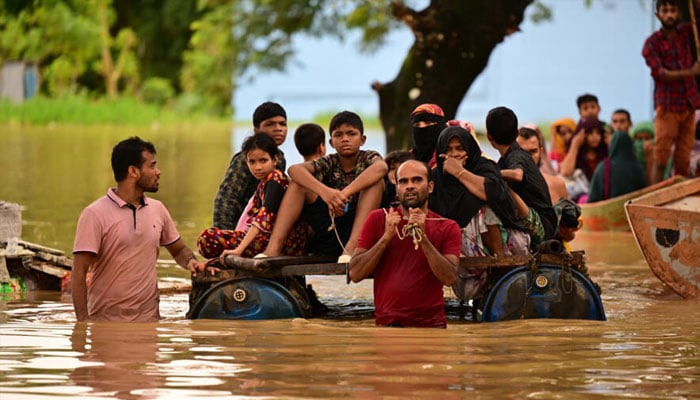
column 520, row 207
column 492, row 239
column 289, row 212
column 369, row 200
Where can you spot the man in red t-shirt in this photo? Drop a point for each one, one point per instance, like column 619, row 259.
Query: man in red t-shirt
column 409, row 270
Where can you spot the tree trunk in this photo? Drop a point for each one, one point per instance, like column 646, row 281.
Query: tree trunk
column 445, row 31
column 106, row 51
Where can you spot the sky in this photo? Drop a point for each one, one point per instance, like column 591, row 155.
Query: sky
column 538, row 72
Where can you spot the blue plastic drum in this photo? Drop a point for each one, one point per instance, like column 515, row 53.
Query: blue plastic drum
column 554, row 292
column 247, row 298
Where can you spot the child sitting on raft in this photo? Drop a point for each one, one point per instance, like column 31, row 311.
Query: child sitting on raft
column 253, row 231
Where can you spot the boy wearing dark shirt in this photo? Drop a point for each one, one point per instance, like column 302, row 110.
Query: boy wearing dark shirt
column 522, row 174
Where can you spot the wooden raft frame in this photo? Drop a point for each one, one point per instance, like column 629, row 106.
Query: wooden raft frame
column 285, row 266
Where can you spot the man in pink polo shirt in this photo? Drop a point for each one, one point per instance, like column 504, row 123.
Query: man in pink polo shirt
column 118, row 239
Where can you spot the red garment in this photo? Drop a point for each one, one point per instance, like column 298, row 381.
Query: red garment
column 664, row 54
column 406, row 292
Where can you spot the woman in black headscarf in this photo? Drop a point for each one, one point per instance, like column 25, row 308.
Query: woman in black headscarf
column 428, row 121
column 470, row 190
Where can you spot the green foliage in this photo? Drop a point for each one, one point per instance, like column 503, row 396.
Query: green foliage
column 163, row 30
column 235, row 40
column 60, row 76
column 210, row 63
column 157, row 91
column 540, row 12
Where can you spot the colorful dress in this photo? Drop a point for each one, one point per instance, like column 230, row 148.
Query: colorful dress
column 235, row 190
column 262, row 214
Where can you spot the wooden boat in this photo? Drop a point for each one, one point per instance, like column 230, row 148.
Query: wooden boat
column 609, row 215
column 30, row 266
column 35, row 267
column 540, row 285
column 666, row 225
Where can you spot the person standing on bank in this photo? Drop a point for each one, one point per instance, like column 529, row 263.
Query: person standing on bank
column 118, row 240
column 676, row 96
column 410, row 271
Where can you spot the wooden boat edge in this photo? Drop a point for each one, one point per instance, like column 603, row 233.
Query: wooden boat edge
column 596, row 215
column 649, row 207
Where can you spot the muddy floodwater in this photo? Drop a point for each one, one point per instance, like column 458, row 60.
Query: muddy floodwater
column 649, row 348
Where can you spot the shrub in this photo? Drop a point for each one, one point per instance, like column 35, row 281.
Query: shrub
column 157, row 91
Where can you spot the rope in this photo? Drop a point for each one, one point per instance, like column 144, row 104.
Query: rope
column 533, row 263
column 408, row 230
column 567, row 276
column 412, row 230
column 337, row 236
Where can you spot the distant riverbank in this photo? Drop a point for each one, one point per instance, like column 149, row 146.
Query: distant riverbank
column 81, row 110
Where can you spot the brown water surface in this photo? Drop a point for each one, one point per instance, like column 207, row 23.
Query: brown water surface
column 649, row 347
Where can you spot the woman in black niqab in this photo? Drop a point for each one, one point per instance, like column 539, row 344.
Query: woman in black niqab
column 453, row 200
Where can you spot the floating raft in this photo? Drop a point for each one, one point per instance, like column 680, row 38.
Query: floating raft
column 538, row 286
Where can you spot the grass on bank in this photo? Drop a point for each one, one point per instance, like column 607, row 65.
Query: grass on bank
column 81, row 110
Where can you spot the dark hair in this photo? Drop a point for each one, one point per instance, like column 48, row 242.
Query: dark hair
column 623, row 111
column 398, row 156
column 568, row 213
column 267, row 110
column 346, row 117
column 128, row 152
column 527, row 133
column 589, row 125
column 660, row 3
column 502, row 125
column 586, row 98
column 425, row 165
column 260, row 141
column 308, row 137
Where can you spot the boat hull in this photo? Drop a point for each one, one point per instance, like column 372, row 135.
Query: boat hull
column 666, row 226
column 609, row 215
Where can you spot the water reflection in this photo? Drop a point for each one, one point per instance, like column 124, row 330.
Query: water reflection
column 651, row 352
column 116, row 368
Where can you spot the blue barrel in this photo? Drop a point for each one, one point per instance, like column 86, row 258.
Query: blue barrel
column 247, row 298
column 550, row 292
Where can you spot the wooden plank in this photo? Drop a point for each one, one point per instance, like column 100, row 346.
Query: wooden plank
column 4, row 273
column 574, row 258
column 55, row 259
column 315, row 269
column 48, row 269
column 260, row 267
column 18, row 254
column 38, row 247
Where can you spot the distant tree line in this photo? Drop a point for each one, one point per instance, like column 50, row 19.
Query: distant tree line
column 198, row 52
